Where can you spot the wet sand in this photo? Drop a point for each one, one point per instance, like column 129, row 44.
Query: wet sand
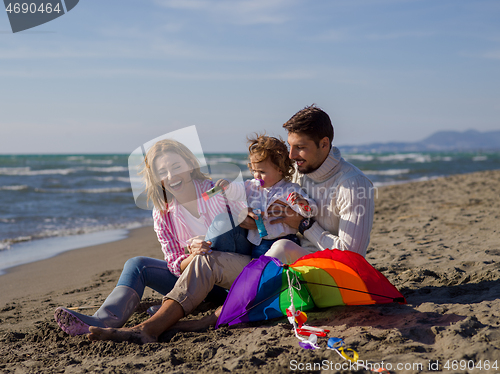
column 437, row 241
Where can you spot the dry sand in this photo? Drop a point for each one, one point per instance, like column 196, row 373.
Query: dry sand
column 437, row 241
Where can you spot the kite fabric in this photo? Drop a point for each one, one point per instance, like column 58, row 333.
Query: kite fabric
column 265, row 287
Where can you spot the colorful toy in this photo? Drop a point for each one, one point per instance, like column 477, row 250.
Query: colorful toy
column 266, row 289
column 260, row 223
column 212, row 192
column 291, row 200
column 321, row 279
column 258, row 182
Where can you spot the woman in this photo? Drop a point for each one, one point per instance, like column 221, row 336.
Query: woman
column 174, row 185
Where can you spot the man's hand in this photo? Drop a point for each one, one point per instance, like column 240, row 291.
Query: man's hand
column 284, row 214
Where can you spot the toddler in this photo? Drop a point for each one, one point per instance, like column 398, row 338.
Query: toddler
column 272, row 171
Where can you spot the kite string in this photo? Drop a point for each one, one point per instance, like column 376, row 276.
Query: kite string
column 292, row 307
column 340, row 351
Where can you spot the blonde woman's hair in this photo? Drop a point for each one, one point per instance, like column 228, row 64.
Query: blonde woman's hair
column 155, row 191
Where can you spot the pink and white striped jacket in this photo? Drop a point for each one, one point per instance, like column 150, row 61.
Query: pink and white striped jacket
column 172, row 231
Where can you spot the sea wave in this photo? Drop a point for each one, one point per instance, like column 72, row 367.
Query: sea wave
column 356, row 157
column 111, row 169
column 27, row 171
column 6, row 244
column 387, row 172
column 98, row 162
column 85, row 160
column 111, row 179
column 84, row 190
column 399, row 157
column 213, row 161
column 421, row 179
column 14, row 188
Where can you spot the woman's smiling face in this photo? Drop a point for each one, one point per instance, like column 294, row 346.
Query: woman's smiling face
column 174, row 172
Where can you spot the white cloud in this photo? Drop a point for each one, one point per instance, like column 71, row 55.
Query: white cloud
column 400, row 35
column 248, row 12
column 494, row 55
column 353, row 34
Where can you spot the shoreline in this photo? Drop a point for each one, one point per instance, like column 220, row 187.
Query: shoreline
column 46, row 248
column 76, row 266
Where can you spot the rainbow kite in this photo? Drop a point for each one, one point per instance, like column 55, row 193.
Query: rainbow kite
column 266, row 288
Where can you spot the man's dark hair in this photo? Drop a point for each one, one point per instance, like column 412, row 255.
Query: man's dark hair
column 311, row 121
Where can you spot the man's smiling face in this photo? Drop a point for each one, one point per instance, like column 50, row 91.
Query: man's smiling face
column 304, row 151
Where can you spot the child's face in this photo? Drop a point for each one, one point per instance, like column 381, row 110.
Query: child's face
column 266, row 171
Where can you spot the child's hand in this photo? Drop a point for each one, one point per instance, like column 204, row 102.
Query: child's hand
column 296, row 198
column 222, row 183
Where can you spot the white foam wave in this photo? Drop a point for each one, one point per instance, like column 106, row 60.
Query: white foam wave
column 421, row 179
column 26, row 171
column 387, row 172
column 415, row 157
column 84, row 160
column 479, row 158
column 14, row 188
column 105, row 179
column 98, row 162
column 6, row 243
column 63, row 232
column 214, row 161
column 111, row 169
column 119, row 179
column 85, row 190
column 359, row 157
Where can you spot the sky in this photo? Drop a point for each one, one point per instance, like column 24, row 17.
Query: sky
column 112, row 74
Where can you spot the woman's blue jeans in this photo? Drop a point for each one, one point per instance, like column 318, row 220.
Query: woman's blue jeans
column 141, row 272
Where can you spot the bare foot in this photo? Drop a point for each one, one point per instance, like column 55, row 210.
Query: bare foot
column 134, row 335
column 196, row 325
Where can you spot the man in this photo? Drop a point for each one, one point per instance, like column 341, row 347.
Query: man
column 344, row 220
column 344, row 195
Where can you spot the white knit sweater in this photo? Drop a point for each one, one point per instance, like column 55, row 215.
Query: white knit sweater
column 345, row 198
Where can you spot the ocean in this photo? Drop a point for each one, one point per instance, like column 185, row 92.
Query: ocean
column 53, row 203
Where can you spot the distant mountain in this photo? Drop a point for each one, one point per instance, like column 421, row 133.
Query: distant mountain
column 470, row 140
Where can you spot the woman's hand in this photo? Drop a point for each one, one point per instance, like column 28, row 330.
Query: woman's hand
column 197, row 246
column 222, row 183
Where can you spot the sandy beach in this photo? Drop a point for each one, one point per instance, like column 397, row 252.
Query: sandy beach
column 437, row 241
